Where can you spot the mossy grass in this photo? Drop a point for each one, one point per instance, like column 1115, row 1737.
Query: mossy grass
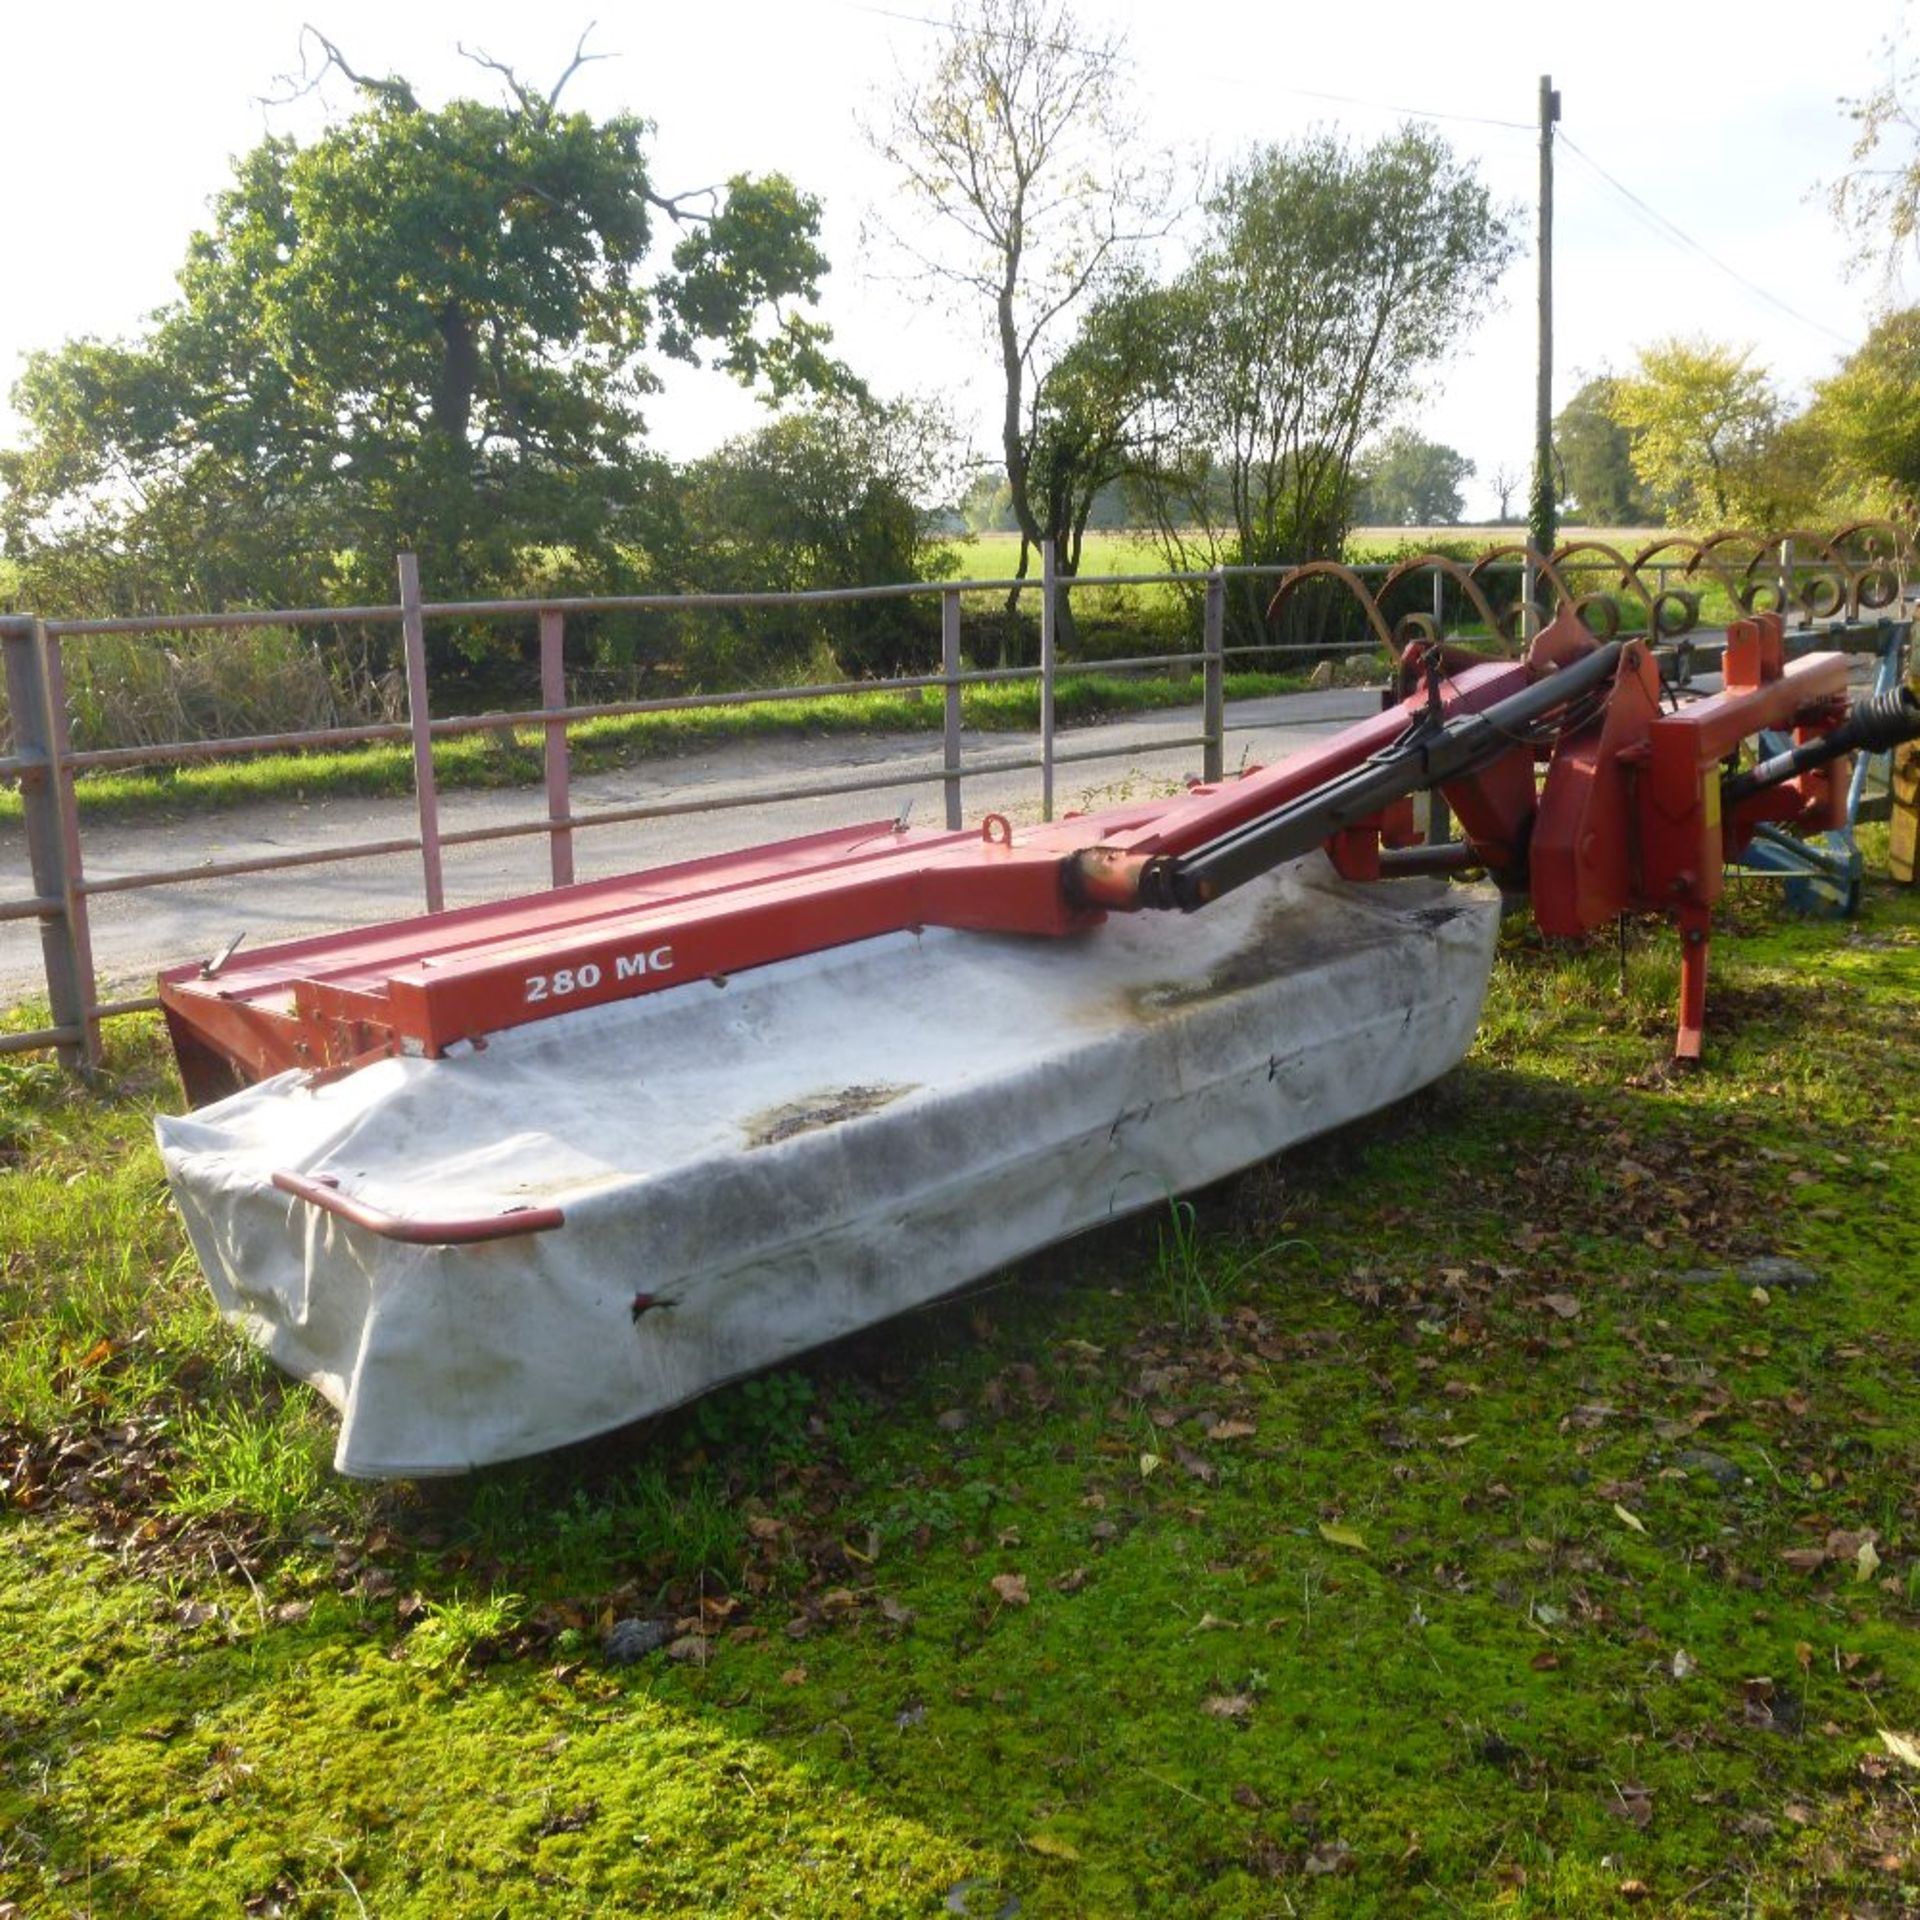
column 1445, row 1518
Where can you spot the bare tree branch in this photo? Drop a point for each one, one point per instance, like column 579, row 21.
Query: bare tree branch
column 581, row 57
column 1020, row 140
column 537, row 106
column 394, row 89
column 674, row 206
column 530, row 102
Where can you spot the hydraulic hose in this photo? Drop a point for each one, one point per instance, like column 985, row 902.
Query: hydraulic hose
column 1874, row 726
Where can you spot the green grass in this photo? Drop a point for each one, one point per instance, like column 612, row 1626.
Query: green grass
column 1401, row 1528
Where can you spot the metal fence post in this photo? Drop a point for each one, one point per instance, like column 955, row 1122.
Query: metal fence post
column 553, row 696
column 950, row 723
column 37, row 701
column 1786, row 584
column 1049, row 585
column 413, row 629
column 1439, row 602
column 1213, row 683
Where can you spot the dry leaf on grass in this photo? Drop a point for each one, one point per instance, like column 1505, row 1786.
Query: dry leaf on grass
column 1011, row 1587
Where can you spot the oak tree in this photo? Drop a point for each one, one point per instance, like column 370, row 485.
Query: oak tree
column 429, row 327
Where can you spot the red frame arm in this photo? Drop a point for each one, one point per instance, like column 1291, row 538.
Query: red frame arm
column 323, row 1191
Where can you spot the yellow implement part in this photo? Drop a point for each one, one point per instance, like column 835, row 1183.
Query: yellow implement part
column 1904, row 845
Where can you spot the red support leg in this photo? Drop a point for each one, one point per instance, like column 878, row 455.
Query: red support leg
column 1695, row 929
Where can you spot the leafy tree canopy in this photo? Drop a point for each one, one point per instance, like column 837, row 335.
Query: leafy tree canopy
column 1408, row 481
column 1595, row 457
column 428, row 328
column 846, row 491
column 1332, row 280
column 1701, row 418
column 1869, row 413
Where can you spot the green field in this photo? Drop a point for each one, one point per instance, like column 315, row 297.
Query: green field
column 1448, row 1518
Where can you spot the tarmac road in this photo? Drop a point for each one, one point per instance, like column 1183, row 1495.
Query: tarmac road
column 136, row 933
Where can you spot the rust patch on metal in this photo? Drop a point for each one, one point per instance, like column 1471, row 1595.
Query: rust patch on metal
column 825, row 1109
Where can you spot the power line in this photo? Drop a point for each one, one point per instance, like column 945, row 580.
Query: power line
column 1301, row 93
column 1406, row 113
column 1668, row 230
column 1652, row 215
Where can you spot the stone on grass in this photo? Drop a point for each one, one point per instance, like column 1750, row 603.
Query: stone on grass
column 629, row 1640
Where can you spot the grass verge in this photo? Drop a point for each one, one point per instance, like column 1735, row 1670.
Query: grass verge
column 508, row 757
column 1510, row 1505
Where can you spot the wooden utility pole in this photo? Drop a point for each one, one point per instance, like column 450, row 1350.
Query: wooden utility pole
column 1542, row 519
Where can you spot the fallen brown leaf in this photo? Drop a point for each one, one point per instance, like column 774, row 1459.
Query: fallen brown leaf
column 1632, row 1803
column 1012, row 1588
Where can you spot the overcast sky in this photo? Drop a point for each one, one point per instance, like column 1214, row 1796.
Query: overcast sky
column 120, row 123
